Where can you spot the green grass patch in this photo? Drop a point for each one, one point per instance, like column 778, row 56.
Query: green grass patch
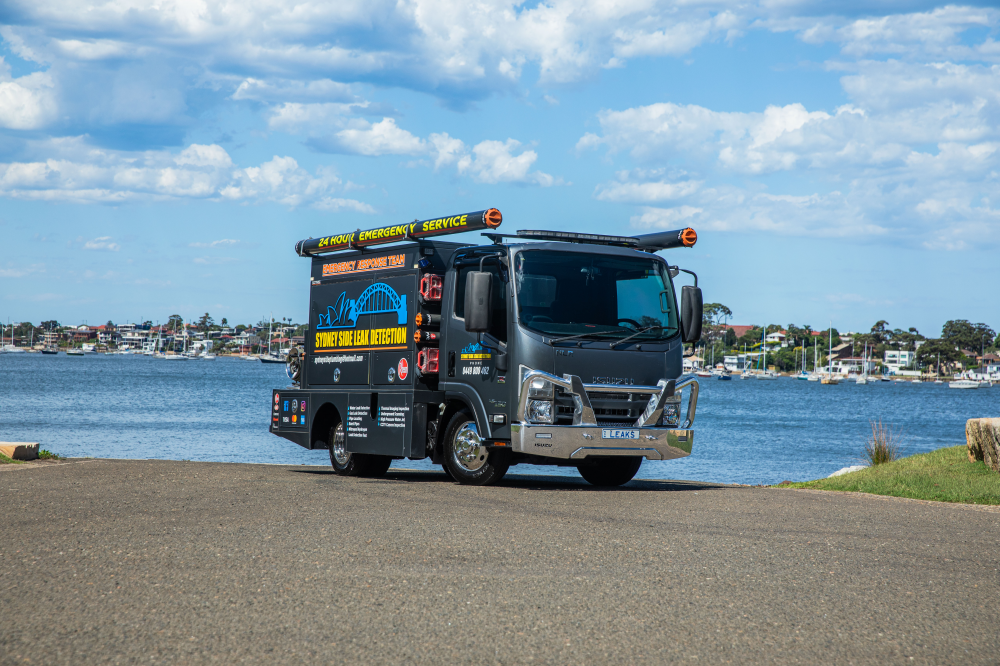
column 48, row 455
column 945, row 475
column 4, row 460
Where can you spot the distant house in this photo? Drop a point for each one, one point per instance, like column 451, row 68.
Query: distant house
column 843, row 350
column 740, row 331
column 776, row 338
column 896, row 359
column 852, row 364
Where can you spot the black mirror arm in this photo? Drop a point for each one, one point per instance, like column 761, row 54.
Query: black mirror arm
column 684, row 270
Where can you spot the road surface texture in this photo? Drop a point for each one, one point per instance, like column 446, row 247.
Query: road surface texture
column 112, row 561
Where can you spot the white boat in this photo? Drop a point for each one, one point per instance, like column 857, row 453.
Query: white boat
column 208, row 357
column 74, row 352
column 861, row 380
column 963, row 384
column 174, row 357
column 11, row 349
column 768, row 374
column 985, row 384
column 916, row 381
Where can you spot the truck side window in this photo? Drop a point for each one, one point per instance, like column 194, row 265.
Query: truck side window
column 498, row 327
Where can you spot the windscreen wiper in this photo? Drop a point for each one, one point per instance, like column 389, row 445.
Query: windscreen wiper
column 579, row 335
column 638, row 332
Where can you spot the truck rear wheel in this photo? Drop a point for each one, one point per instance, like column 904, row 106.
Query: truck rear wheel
column 610, row 471
column 466, row 458
column 354, row 464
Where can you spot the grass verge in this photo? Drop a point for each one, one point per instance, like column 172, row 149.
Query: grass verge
column 945, row 475
column 4, row 460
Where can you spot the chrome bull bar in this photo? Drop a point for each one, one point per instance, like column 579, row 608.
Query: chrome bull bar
column 583, row 412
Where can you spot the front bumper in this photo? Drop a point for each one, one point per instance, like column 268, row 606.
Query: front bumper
column 578, row 442
column 586, row 437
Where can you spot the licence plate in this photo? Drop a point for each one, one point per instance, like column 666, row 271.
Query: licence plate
column 618, row 433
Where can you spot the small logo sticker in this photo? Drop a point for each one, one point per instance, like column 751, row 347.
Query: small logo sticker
column 286, row 407
column 336, row 375
column 403, row 368
column 392, row 375
column 302, row 406
column 295, row 405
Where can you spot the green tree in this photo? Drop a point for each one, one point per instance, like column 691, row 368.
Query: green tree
column 730, row 338
column 205, row 322
column 932, row 349
column 966, row 335
column 175, row 321
column 880, row 332
column 224, row 322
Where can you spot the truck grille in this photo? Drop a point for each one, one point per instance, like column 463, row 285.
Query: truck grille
column 611, row 409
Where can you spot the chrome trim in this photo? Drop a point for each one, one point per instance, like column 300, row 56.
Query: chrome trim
column 577, row 442
column 583, row 412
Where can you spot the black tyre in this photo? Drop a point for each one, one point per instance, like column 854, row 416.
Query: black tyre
column 354, row 464
column 609, row 472
column 466, row 458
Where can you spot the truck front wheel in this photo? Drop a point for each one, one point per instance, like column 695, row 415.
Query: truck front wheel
column 466, row 458
column 610, row 471
column 354, row 464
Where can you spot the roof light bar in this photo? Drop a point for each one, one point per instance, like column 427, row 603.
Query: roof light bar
column 628, row 241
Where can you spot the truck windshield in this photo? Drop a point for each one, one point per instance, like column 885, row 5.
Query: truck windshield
column 572, row 293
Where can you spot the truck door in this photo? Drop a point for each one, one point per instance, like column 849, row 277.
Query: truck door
column 469, row 359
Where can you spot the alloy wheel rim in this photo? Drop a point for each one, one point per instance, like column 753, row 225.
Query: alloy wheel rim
column 469, row 453
column 340, row 453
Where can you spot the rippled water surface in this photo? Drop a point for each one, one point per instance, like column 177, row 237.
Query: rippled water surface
column 746, row 431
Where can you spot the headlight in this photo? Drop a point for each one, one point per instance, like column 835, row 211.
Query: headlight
column 539, row 411
column 671, row 411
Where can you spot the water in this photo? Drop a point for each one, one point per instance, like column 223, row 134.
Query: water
column 745, row 432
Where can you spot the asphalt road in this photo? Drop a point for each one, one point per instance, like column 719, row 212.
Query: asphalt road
column 172, row 562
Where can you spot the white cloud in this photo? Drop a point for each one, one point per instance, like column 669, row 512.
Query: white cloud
column 101, row 243
column 77, row 172
column 665, row 218
column 645, row 192
column 495, row 162
column 446, row 150
column 21, row 271
column 381, row 138
column 334, row 205
column 225, row 242
column 937, row 33
column 290, row 90
column 27, row 102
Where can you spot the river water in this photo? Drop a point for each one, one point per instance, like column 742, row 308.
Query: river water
column 746, row 431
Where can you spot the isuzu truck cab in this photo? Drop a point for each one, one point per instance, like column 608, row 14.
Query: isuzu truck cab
column 540, row 347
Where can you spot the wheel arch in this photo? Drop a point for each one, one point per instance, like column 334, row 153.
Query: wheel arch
column 327, row 416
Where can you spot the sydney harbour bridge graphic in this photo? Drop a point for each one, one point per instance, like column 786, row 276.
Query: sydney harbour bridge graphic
column 379, row 298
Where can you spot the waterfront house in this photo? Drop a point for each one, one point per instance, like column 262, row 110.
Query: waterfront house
column 738, row 362
column 897, row 359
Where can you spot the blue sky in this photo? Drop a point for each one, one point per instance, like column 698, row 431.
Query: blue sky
column 160, row 158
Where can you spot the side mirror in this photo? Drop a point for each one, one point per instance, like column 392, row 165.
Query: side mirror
column 478, row 301
column 691, row 314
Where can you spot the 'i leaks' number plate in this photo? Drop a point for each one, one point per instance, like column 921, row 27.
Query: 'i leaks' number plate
column 617, row 433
